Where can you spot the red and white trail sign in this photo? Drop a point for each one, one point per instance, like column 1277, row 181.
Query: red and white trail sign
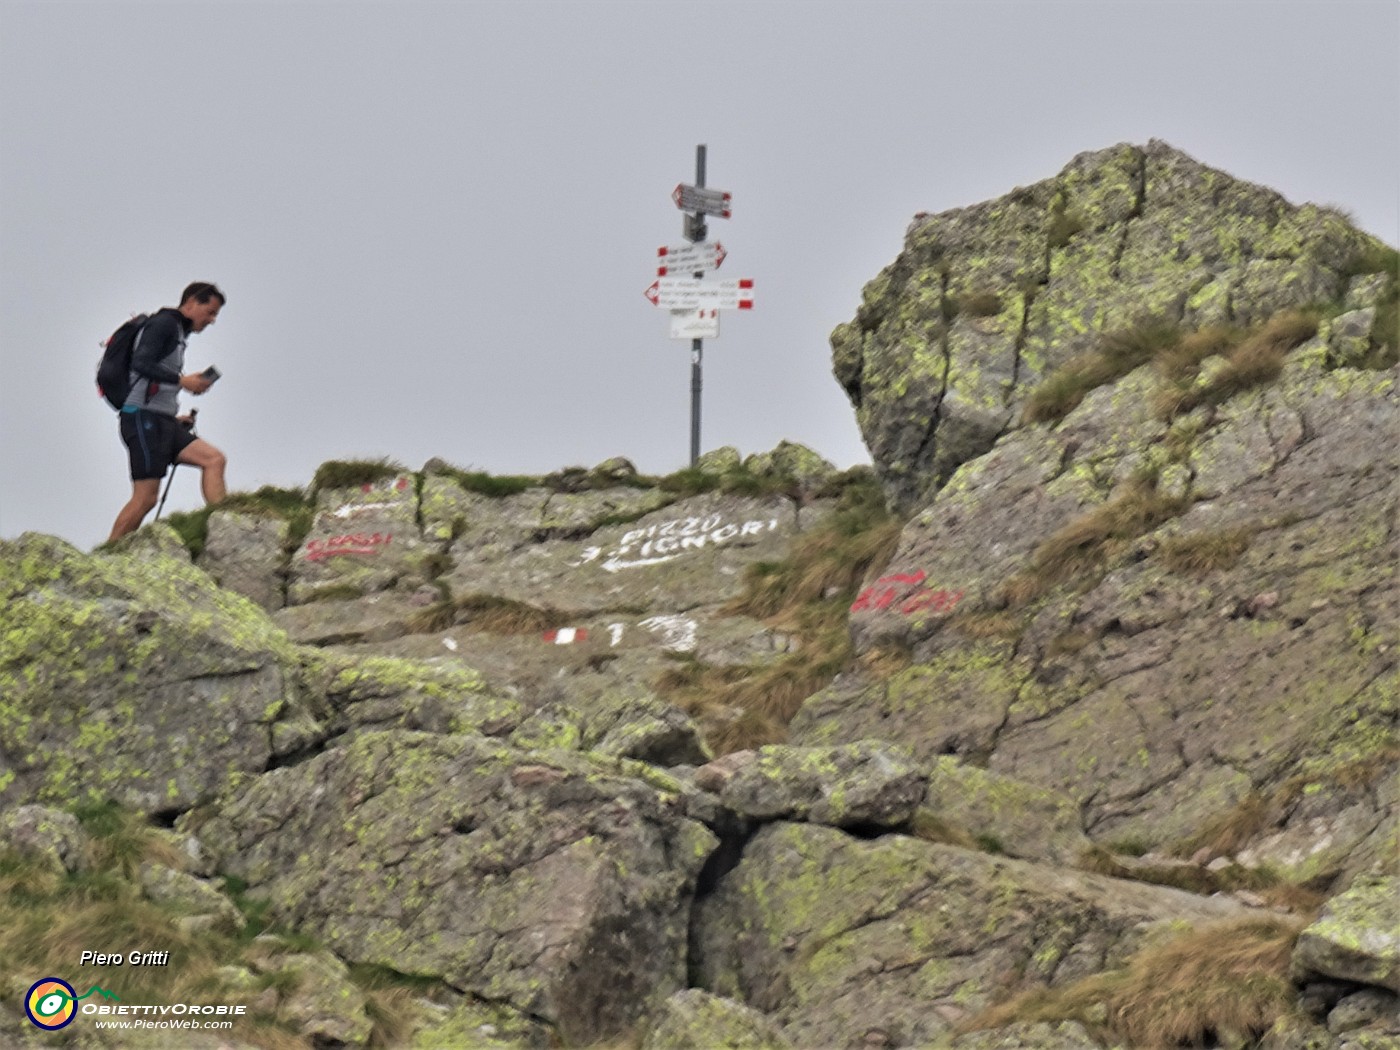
column 683, row 293
column 695, row 324
column 702, row 200
column 566, row 636
column 674, row 260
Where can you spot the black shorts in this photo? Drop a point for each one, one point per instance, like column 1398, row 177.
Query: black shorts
column 154, row 441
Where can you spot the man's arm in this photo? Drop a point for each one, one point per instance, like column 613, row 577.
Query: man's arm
column 158, row 340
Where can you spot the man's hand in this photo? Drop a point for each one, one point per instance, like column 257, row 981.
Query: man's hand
column 186, row 421
column 195, row 383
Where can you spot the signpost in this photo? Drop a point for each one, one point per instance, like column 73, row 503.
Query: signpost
column 689, row 258
column 694, row 302
column 698, row 199
column 695, row 324
column 688, row 293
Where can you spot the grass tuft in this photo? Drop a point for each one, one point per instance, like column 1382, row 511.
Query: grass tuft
column 494, row 485
column 1199, row 554
column 1250, row 360
column 1092, row 540
column 487, row 613
column 1216, row 981
column 122, row 840
column 1117, row 353
column 352, row 473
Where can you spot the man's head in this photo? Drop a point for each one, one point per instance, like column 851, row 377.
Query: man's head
column 201, row 303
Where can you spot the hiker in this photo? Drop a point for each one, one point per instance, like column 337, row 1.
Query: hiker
column 156, row 436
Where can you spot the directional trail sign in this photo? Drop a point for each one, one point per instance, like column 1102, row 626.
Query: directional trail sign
column 689, row 258
column 702, row 200
column 695, row 324
column 682, row 293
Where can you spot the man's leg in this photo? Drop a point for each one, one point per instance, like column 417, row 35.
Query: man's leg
column 144, row 494
column 211, row 463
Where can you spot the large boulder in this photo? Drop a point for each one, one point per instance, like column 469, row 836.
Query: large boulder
column 1357, row 937
column 362, row 540
column 130, row 675
column 985, row 301
column 246, row 554
column 578, row 881
column 862, row 785
column 1224, row 631
column 838, row 938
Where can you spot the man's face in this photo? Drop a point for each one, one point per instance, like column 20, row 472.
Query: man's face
column 202, row 315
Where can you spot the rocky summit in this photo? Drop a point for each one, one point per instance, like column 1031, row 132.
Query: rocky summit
column 1071, row 722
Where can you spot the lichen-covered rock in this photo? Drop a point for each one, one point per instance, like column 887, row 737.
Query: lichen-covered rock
column 985, row 301
column 694, row 1018
column 618, row 724
column 194, row 898
column 720, row 460
column 245, row 553
column 578, row 879
column 1357, row 937
column 48, row 834
column 690, row 554
column 1370, row 1008
column 322, row 1003
column 1063, row 1035
column 1220, row 640
column 1020, row 819
column 474, row 1025
column 834, row 937
column 129, row 675
column 788, row 459
column 379, row 617
column 864, row 784
column 362, row 540
column 377, row 692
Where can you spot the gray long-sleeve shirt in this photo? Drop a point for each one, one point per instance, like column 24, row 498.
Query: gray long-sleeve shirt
column 156, row 364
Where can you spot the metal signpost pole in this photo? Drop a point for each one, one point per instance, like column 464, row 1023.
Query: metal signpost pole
column 694, row 229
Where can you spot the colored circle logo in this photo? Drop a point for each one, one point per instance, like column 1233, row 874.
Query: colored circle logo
column 51, row 1004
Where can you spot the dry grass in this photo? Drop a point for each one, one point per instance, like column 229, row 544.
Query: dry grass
column 1264, row 882
column 1223, row 978
column 1199, row 554
column 489, row 614
column 1093, row 539
column 749, row 730
column 1060, row 393
column 122, row 841
column 1117, row 353
column 1062, row 224
column 931, row 827
column 1244, row 822
column 883, row 662
column 47, row 921
column 1071, row 642
column 1184, row 360
column 1250, row 360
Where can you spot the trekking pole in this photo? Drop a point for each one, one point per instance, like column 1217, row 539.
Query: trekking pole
column 174, row 467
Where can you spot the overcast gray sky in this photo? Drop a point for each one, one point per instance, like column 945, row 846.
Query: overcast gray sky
column 435, row 221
